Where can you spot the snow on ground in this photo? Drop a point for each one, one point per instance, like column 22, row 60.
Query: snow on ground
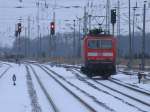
column 63, row 100
column 3, row 67
column 43, row 102
column 133, row 80
column 111, row 101
column 14, row 98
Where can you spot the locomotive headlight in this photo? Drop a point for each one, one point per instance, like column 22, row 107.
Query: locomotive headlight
column 92, row 54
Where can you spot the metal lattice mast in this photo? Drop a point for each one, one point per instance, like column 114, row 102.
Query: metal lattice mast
column 130, row 38
column 118, row 26
column 143, row 40
column 108, row 16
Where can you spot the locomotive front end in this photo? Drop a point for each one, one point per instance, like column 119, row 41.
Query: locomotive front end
column 99, row 56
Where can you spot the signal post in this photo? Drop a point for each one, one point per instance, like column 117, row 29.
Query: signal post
column 17, row 34
column 113, row 19
column 52, row 33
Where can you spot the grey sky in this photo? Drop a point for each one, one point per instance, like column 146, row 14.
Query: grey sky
column 9, row 15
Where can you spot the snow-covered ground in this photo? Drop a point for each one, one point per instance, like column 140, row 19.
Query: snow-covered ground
column 14, row 98
column 133, row 80
column 19, row 98
column 111, row 101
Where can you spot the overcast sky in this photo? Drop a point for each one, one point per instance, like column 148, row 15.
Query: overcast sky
column 9, row 15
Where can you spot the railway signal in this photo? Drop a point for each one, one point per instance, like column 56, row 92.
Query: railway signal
column 19, row 27
column 52, row 27
column 113, row 16
column 17, row 34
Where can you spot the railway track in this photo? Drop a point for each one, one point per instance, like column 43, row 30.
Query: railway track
column 32, row 92
column 94, row 82
column 58, row 78
column 131, row 85
column 116, row 80
column 135, row 91
column 51, row 102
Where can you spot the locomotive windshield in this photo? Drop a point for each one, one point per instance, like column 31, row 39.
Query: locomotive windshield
column 95, row 44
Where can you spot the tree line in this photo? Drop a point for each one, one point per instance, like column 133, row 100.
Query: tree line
column 67, row 45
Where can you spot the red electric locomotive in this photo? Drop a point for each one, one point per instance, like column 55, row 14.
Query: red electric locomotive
column 99, row 53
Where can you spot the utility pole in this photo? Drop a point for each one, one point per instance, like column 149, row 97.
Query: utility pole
column 79, row 48
column 118, row 22
column 134, row 9
column 25, row 42
column 38, row 27
column 118, row 27
column 50, row 46
column 28, row 36
column 74, row 38
column 18, row 42
column 40, row 45
column 108, row 16
column 90, row 17
column 143, row 40
column 130, row 40
column 19, row 47
column 85, row 22
column 113, row 29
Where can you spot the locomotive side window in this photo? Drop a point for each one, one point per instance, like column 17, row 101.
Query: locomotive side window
column 106, row 44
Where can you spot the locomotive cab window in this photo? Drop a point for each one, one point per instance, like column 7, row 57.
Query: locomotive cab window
column 95, row 44
column 106, row 44
column 92, row 44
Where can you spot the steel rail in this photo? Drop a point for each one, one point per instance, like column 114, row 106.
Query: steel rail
column 82, row 91
column 136, row 99
column 108, row 93
column 45, row 92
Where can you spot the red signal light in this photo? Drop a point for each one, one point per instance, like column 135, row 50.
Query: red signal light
column 52, row 28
